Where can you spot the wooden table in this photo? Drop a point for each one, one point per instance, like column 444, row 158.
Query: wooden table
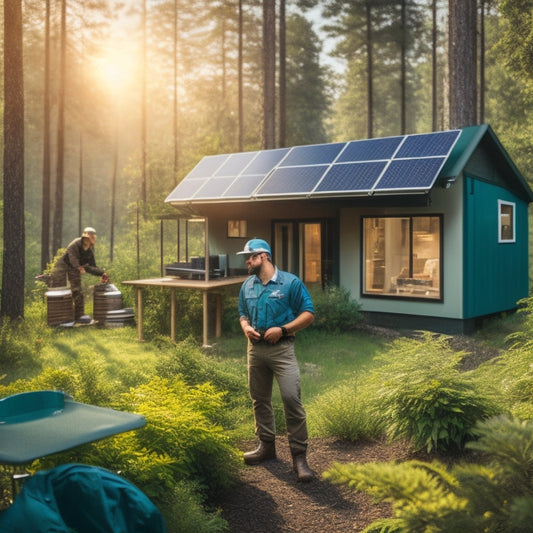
column 206, row 286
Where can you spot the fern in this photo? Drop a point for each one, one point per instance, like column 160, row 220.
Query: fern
column 428, row 497
column 422, row 396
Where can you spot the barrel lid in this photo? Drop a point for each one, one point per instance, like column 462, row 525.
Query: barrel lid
column 58, row 293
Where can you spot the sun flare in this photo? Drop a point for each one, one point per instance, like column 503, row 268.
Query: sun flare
column 115, row 68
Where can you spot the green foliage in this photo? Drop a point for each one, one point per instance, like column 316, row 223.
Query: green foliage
column 335, row 311
column 512, row 372
column 181, row 457
column 185, row 511
column 342, row 412
column 180, row 426
column 423, row 396
column 494, row 496
column 187, row 361
column 18, row 345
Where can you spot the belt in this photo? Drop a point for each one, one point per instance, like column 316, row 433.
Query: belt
column 282, row 340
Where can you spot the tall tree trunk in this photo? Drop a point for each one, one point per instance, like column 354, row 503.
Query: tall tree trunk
column 45, row 205
column 434, row 34
column 143, row 112
column 269, row 74
column 282, row 75
column 462, row 61
column 369, row 72
column 403, row 68
column 13, row 268
column 58, row 214
column 113, row 190
column 482, row 62
column 175, row 116
column 240, row 82
column 80, row 187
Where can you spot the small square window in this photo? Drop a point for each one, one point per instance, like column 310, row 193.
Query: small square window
column 237, row 228
column 506, row 221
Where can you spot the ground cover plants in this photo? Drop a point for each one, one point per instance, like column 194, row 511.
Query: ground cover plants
column 357, row 385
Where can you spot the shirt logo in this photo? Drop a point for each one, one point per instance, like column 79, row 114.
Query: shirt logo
column 277, row 294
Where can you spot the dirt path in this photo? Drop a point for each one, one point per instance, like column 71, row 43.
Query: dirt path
column 270, row 500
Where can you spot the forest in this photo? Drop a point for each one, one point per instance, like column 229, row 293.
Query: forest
column 122, row 99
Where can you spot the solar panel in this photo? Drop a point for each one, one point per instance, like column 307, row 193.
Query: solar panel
column 390, row 165
column 235, row 164
column 243, row 187
column 207, row 167
column 370, row 149
column 292, row 180
column 351, row 177
column 186, row 189
column 265, row 161
column 313, row 154
column 410, row 174
column 214, row 188
column 428, row 144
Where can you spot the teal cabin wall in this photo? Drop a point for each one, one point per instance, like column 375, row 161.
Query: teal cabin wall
column 495, row 274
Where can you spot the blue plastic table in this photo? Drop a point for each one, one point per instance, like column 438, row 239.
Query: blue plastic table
column 35, row 424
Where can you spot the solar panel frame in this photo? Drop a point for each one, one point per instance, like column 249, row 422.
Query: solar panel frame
column 386, row 165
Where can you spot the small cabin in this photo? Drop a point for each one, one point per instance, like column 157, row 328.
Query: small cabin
column 426, row 231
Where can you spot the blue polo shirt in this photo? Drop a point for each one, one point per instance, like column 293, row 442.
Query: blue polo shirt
column 275, row 304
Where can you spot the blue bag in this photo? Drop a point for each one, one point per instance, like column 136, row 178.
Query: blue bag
column 81, row 499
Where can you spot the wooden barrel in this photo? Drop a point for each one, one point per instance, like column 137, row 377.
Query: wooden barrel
column 106, row 298
column 59, row 306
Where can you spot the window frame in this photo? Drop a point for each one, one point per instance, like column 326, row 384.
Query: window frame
column 237, row 229
column 501, row 240
column 403, row 296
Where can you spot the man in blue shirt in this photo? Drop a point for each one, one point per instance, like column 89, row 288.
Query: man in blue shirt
column 273, row 306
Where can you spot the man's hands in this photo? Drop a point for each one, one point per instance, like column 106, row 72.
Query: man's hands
column 105, row 278
column 271, row 335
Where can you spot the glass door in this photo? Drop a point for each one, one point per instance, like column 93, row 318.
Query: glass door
column 306, row 249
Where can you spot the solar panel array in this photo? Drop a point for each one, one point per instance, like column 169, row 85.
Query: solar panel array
column 392, row 165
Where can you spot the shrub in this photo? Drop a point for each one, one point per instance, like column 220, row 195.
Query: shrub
column 181, row 451
column 494, row 496
column 335, row 311
column 422, row 396
column 190, row 363
column 342, row 412
column 18, row 344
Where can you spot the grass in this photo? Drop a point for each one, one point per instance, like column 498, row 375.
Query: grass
column 336, row 370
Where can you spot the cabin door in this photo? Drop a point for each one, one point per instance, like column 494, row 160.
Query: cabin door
column 302, row 248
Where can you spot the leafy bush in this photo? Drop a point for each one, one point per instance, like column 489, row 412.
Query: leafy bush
column 187, row 361
column 422, row 396
column 181, row 450
column 18, row 344
column 494, row 496
column 335, row 311
column 342, row 412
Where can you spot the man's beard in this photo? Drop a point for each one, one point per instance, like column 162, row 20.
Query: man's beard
column 254, row 269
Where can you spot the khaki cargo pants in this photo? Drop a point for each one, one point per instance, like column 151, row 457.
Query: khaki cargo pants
column 266, row 362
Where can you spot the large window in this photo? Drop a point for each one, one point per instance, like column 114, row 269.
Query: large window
column 402, row 257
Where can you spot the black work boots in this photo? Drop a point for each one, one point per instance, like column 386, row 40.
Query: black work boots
column 301, row 468
column 267, row 450
column 264, row 452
